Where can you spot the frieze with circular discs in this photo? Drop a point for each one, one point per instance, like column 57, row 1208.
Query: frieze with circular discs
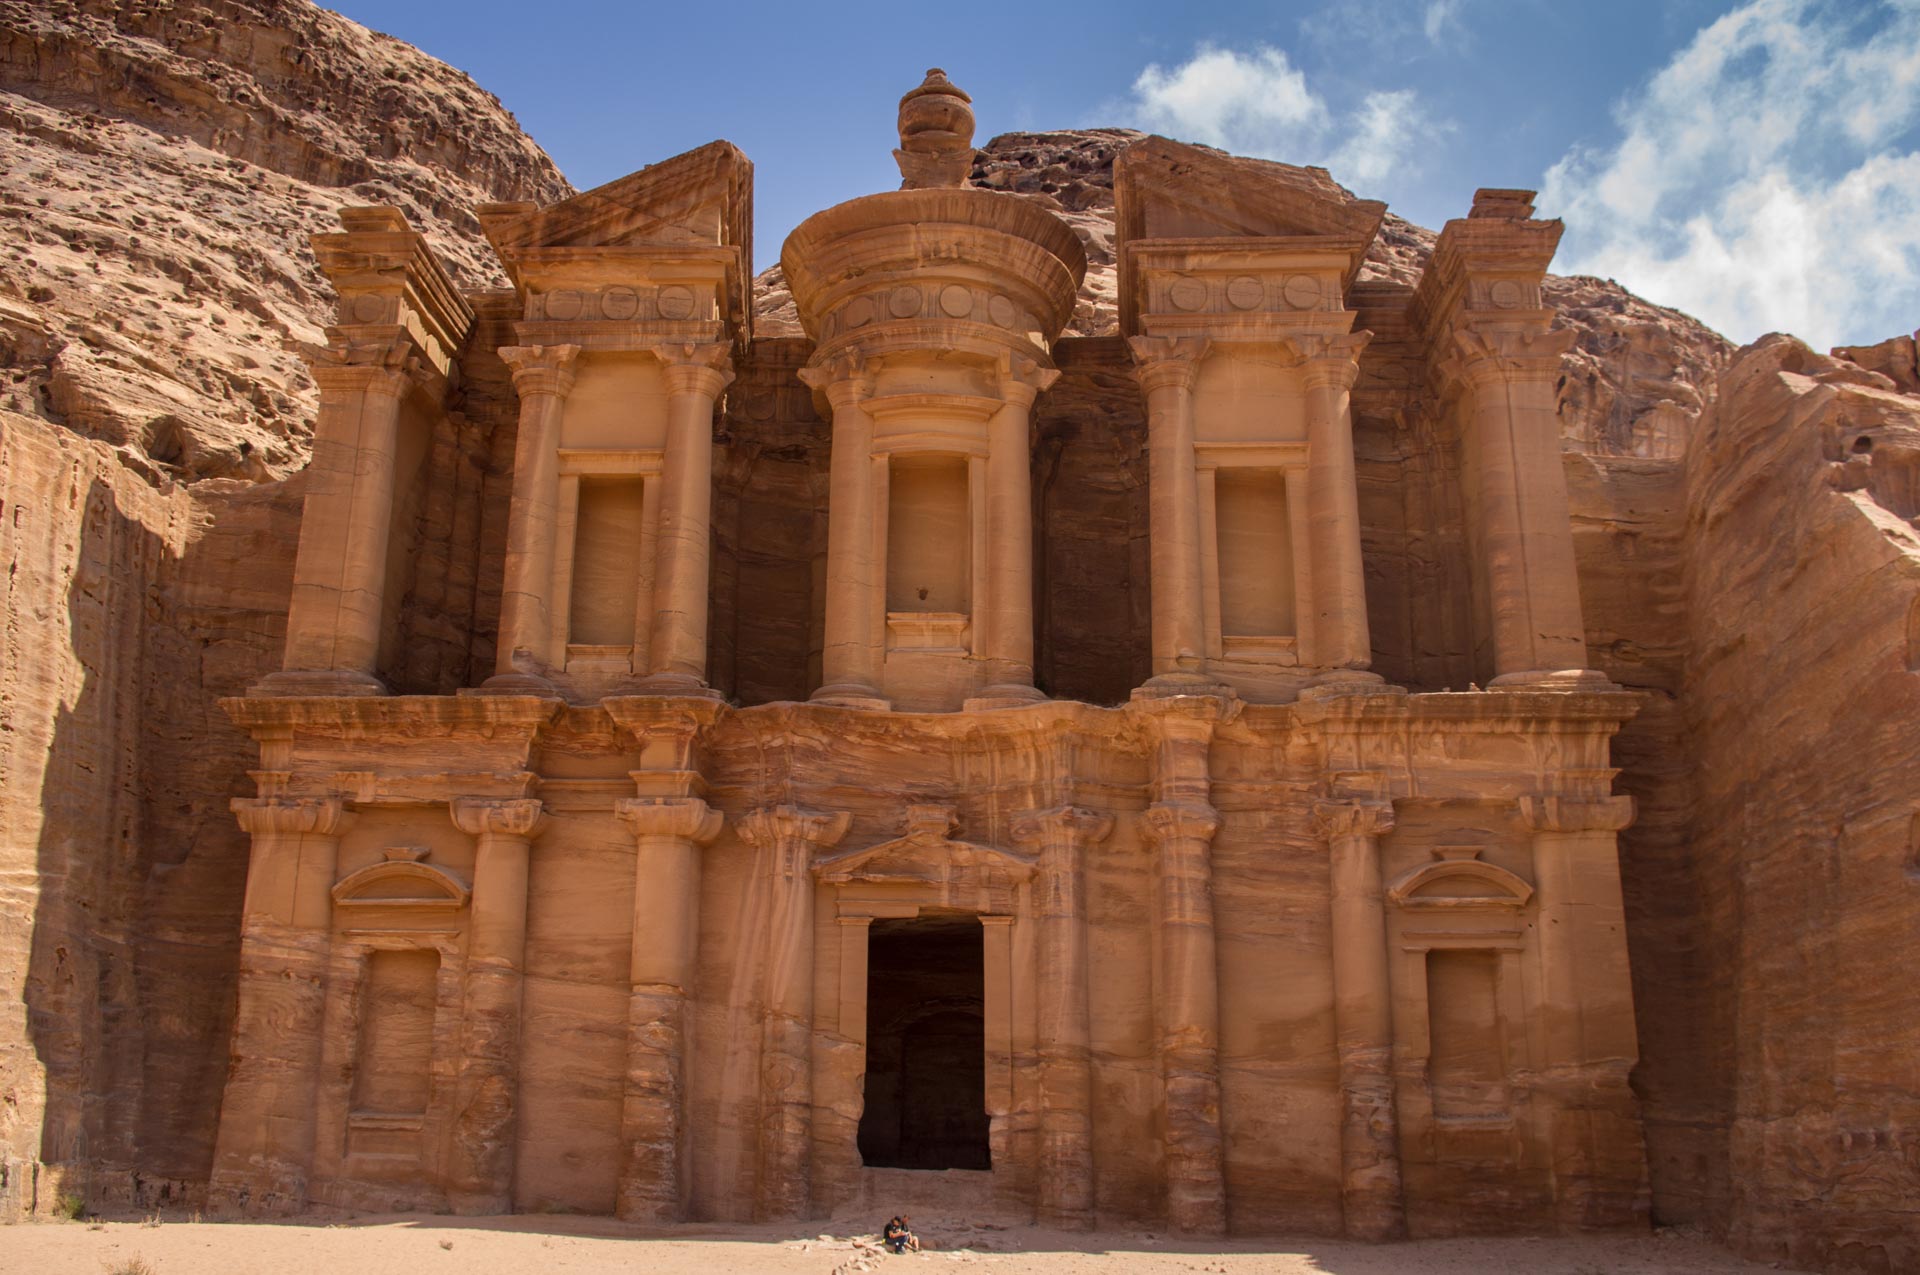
column 1506, row 294
column 676, row 302
column 1302, row 292
column 619, row 303
column 1187, row 293
column 1003, row 311
column 904, row 303
column 564, row 304
column 858, row 314
column 956, row 302
column 367, row 308
column 1245, row 292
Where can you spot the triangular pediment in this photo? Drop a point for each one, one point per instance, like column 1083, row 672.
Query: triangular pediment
column 1165, row 189
column 701, row 199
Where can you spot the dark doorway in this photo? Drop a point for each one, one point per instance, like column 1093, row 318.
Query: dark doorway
column 926, row 1092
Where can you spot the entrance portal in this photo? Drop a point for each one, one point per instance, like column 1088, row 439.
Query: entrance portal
column 926, row 1089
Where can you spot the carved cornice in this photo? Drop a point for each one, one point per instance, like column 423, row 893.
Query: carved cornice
column 291, row 816
column 681, row 818
column 541, row 369
column 1548, row 813
column 1162, row 362
column 1352, row 818
column 485, row 816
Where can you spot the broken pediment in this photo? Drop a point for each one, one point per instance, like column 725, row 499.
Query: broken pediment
column 1173, row 192
column 1458, row 879
column 927, row 854
column 695, row 203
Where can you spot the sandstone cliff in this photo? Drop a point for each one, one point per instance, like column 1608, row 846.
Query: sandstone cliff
column 165, row 165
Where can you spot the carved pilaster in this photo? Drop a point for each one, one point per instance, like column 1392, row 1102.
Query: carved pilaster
column 1370, row 1179
column 481, row 1151
column 788, row 839
column 1165, row 368
column 543, row 375
column 263, row 1153
column 1187, row 1013
column 850, row 661
column 668, row 832
column 1060, row 838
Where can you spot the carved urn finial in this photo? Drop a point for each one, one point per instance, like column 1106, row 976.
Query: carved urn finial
column 936, row 134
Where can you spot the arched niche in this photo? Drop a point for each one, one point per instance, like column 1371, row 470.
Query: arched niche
column 402, row 881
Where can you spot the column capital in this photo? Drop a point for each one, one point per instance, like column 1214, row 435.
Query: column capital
column 770, row 826
column 844, row 380
column 1022, row 380
column 688, row 818
column 541, row 369
column 695, row 367
column 1483, row 354
column 1330, row 358
column 1068, row 825
column 495, row 816
column 1179, row 821
column 319, row 816
column 1547, row 813
column 1161, row 361
column 1352, row 817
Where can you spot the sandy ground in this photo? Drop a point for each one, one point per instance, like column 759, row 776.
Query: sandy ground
column 425, row 1245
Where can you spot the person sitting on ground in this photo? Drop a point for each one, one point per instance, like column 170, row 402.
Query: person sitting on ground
column 897, row 1236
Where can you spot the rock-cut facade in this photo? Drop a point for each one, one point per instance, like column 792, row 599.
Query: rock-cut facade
column 935, row 759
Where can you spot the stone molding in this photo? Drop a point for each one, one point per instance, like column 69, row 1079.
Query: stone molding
column 792, row 834
column 1167, row 361
column 291, row 816
column 1576, row 814
column 542, row 369
column 1354, row 817
column 491, row 816
column 683, row 818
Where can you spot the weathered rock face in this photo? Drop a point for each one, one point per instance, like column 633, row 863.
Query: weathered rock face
column 1802, row 573
column 166, row 164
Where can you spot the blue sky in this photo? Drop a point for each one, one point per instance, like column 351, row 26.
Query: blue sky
column 1756, row 164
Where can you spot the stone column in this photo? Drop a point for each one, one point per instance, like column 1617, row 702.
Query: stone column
column 1339, row 601
column 853, row 651
column 788, row 838
column 839, row 1068
column 1006, row 619
column 1187, row 1013
column 1523, row 531
column 486, row 1095
column 1166, row 368
column 543, row 376
column 1586, row 1010
column 340, row 569
column 263, row 1152
column 668, row 834
column 677, row 648
column 1062, row 836
column 1370, row 1189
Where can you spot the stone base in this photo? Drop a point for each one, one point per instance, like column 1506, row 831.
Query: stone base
column 1170, row 685
column 1571, row 679
column 317, row 684
column 670, row 684
column 1335, row 683
column 851, row 695
column 1005, row 695
column 514, row 683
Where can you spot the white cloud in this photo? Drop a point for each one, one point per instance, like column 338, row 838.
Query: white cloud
column 1440, row 18
column 1761, row 181
column 1258, row 103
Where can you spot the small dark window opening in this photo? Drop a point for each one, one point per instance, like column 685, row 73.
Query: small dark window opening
column 1863, row 444
column 926, row 1090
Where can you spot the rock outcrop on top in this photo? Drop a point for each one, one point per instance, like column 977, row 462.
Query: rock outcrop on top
column 166, row 164
column 1744, row 523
